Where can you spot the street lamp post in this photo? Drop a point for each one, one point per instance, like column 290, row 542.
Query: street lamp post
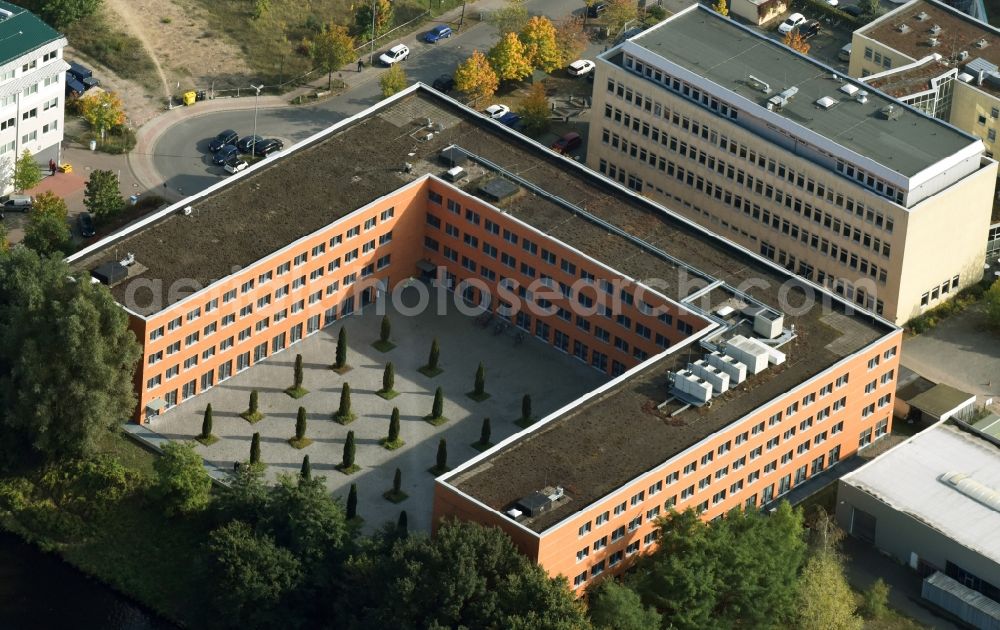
column 256, row 100
column 371, row 55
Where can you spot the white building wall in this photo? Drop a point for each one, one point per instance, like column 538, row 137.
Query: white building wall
column 32, row 102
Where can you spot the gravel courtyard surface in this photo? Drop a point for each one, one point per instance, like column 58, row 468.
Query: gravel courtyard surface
column 552, row 378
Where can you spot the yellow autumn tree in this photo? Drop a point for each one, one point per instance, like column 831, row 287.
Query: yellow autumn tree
column 102, row 110
column 796, row 42
column 721, row 7
column 539, row 39
column 476, row 78
column 509, row 60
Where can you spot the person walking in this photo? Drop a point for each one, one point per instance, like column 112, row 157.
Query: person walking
column 52, row 167
column 361, row 65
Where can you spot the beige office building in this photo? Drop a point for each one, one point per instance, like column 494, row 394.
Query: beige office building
column 823, row 174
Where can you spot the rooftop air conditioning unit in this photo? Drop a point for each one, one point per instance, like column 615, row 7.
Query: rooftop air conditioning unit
column 128, row 260
column 921, row 16
column 826, row 102
column 935, row 29
column 963, row 55
column 981, row 43
column 903, row 28
column 890, row 112
column 862, row 97
column 933, row 41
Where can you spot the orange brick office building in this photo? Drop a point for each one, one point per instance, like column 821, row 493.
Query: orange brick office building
column 727, row 387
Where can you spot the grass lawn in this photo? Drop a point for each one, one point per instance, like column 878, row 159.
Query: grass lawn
column 107, row 43
column 252, row 418
column 383, row 346
column 391, row 446
column 350, row 470
column 524, row 423
column 300, row 444
column 345, row 420
column 479, row 446
column 478, row 397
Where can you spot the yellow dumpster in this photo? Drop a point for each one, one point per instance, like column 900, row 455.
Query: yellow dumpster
column 190, row 97
column 66, row 168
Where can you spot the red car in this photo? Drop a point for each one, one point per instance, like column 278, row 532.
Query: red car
column 567, row 143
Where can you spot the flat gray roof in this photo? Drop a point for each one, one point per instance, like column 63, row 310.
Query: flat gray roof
column 907, row 478
column 724, row 52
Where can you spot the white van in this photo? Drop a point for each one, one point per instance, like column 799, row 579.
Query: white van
column 845, row 53
column 18, row 203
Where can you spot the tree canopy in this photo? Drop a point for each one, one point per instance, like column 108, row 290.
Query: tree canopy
column 616, row 607
column 27, row 173
column 509, row 60
column 476, row 78
column 539, row 39
column 363, row 18
column 181, row 481
column 62, row 13
column 102, row 195
column 332, row 49
column 66, row 358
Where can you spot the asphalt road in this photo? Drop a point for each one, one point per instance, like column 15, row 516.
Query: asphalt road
column 181, row 154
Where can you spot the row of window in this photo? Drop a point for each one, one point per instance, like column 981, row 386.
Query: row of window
column 735, row 149
column 939, row 291
column 693, row 94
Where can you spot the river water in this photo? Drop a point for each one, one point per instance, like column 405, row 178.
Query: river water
column 38, row 590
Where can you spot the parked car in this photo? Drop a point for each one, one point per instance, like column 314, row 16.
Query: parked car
column 246, row 143
column 225, row 137
column 596, row 9
column 442, row 31
column 226, row 153
column 511, row 119
column 444, row 83
column 853, row 10
column 809, row 29
column 235, row 165
column 844, row 54
column 18, row 203
column 580, row 67
column 394, row 55
column 268, row 147
column 86, row 225
column 791, row 22
column 568, row 142
column 496, row 111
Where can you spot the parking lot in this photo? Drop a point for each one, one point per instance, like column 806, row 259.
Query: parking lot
column 552, row 378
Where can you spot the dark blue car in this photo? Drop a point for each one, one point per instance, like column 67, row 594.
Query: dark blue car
column 225, row 154
column 438, row 32
column 511, row 119
column 225, row 137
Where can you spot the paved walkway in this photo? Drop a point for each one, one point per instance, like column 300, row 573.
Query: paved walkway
column 156, row 442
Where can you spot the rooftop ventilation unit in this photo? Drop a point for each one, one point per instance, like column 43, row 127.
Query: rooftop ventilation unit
column 128, row 261
column 538, row 502
column 891, row 112
column 453, row 156
column 690, row 388
column 981, row 43
column 110, row 273
column 187, row 211
column 921, row 16
column 975, row 490
column 933, row 41
column 862, row 97
column 826, row 102
column 757, row 84
column 455, row 173
column 849, row 89
column 779, row 101
column 724, row 363
column 963, row 55
column 768, row 324
column 715, row 377
column 903, row 28
column 935, row 29
column 725, row 311
column 965, row 77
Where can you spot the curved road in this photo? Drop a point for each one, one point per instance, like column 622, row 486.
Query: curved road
column 180, row 154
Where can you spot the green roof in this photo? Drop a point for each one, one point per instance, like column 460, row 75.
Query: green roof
column 22, row 32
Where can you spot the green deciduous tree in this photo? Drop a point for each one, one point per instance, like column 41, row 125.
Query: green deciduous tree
column 534, row 110
column 539, row 39
column 306, row 520
column 182, row 484
column 876, row 600
column 332, row 49
column 616, row 607
column 62, row 13
column 392, row 80
column 363, row 18
column 206, row 422
column 102, row 195
column 48, row 234
column 825, row 599
column 870, row 9
column 509, row 19
column 246, row 498
column 251, row 574
column 476, row 78
column 509, row 60
column 991, row 302
column 66, row 359
column 255, row 449
column 47, row 202
column 27, row 173
column 300, row 424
